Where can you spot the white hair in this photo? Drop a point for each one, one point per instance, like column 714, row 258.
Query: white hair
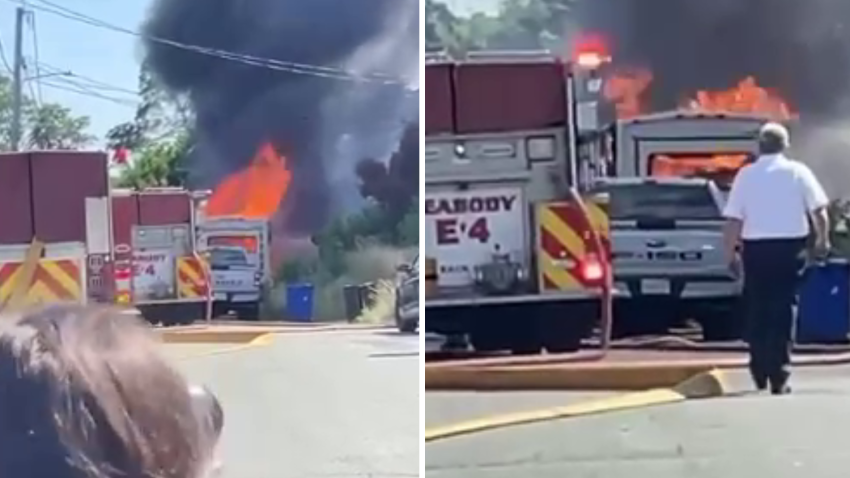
column 775, row 132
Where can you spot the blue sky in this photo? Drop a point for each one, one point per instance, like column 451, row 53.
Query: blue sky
column 106, row 62
column 468, row 7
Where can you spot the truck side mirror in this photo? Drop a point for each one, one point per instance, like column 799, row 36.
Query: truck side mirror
column 404, row 268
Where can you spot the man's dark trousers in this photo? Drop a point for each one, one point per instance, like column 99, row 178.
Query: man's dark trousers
column 772, row 269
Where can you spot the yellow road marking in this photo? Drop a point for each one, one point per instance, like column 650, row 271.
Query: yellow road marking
column 705, row 385
column 260, row 341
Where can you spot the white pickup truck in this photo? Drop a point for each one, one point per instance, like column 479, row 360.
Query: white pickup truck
column 238, row 252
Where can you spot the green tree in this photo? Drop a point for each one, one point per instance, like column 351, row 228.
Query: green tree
column 45, row 125
column 53, row 126
column 159, row 136
column 518, row 24
column 157, row 164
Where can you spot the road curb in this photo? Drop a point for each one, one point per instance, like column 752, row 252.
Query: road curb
column 710, row 384
column 589, row 377
column 582, row 364
column 219, row 328
column 261, row 340
column 210, row 336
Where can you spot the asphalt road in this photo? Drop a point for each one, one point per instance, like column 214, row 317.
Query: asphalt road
column 805, row 434
column 324, row 404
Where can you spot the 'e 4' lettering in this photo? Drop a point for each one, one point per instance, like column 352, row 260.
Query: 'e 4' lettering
column 449, row 231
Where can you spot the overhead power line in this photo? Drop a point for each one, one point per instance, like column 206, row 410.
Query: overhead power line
column 3, row 58
column 88, row 92
column 91, row 82
column 269, row 63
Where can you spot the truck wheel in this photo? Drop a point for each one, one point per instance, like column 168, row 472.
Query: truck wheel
column 219, row 310
column 408, row 327
column 248, row 312
column 565, row 325
column 404, row 326
column 561, row 336
column 486, row 341
column 721, row 323
column 526, row 339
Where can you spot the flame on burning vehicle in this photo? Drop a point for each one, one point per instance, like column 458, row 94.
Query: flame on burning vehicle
column 256, row 191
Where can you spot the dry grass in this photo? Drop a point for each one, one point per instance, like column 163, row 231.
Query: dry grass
column 376, row 264
column 383, row 304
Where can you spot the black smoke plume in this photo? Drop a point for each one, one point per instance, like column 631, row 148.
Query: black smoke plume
column 238, row 106
column 800, row 48
column 394, row 185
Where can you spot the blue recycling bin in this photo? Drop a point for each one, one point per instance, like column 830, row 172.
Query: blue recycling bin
column 823, row 314
column 299, row 302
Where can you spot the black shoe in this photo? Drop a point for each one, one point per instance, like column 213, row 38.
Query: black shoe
column 760, row 382
column 783, row 390
column 779, row 384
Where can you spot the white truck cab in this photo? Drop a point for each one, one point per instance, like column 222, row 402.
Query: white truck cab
column 237, row 249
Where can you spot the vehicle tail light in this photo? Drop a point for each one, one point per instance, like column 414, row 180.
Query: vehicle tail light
column 592, row 269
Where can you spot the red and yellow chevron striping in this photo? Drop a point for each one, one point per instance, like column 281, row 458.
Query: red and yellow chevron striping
column 191, row 282
column 565, row 241
column 53, row 281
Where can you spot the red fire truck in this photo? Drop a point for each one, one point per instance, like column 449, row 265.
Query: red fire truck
column 66, row 235
column 516, row 260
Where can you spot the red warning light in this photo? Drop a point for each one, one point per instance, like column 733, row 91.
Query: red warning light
column 590, row 50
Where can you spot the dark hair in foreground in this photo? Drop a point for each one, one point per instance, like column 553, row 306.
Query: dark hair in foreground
column 84, row 393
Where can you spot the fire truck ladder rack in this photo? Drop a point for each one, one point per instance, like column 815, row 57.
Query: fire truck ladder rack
column 518, row 56
column 437, row 57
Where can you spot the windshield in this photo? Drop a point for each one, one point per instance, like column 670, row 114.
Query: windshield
column 661, row 201
column 228, row 257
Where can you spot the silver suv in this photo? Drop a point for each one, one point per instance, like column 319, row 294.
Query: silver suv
column 407, row 297
column 667, row 248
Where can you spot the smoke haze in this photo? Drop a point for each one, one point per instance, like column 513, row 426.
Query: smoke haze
column 799, row 48
column 320, row 124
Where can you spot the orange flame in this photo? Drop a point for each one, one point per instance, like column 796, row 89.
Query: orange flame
column 625, row 89
column 256, row 191
column 721, row 167
column 693, row 164
column 747, row 97
column 627, row 86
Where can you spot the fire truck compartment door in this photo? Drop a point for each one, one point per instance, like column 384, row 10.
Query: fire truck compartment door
column 154, row 251
column 464, row 228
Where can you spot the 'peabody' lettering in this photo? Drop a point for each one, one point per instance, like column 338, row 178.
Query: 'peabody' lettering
column 457, row 206
column 150, row 258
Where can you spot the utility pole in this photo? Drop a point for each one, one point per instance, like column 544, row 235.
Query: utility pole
column 17, row 80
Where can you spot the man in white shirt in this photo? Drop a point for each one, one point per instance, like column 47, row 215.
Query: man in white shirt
column 769, row 211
